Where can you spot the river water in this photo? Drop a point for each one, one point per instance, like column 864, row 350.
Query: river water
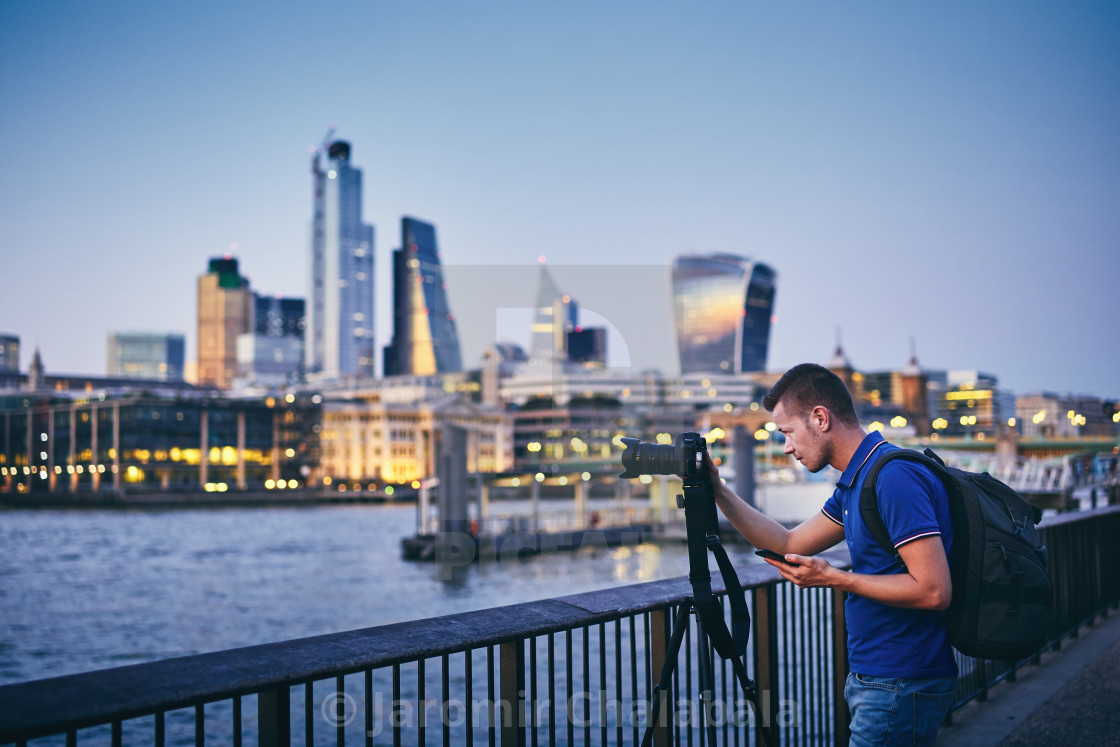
column 90, row 589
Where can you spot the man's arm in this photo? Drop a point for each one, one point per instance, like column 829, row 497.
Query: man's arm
column 926, row 585
column 815, row 534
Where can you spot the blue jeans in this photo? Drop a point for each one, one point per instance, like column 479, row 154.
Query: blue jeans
column 897, row 711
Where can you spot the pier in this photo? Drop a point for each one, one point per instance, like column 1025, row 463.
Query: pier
column 567, row 670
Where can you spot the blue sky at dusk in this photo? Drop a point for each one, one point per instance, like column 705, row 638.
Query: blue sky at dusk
column 948, row 172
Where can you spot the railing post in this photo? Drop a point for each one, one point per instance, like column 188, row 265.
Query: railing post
column 274, row 716
column 659, row 634
column 512, row 687
column 841, row 717
column 766, row 661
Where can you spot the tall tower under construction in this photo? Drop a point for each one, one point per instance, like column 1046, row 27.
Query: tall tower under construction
column 340, row 323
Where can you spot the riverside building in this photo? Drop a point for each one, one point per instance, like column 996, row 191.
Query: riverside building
column 369, row 440
column 155, row 442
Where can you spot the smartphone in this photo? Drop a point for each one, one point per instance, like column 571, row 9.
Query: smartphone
column 775, row 556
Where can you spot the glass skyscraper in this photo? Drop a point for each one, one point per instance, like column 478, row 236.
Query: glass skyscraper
column 425, row 340
column 272, row 353
column 274, row 316
column 722, row 305
column 340, row 329
column 156, row 356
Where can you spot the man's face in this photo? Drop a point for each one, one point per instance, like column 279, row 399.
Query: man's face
column 804, row 439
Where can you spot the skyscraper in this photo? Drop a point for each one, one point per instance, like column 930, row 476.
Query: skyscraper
column 556, row 315
column 558, row 339
column 225, row 310
column 425, row 340
column 722, row 305
column 156, row 356
column 275, row 316
column 340, row 328
column 271, row 354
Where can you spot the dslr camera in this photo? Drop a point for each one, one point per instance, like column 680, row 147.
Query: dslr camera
column 684, row 457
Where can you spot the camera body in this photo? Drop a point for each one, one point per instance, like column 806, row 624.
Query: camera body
column 684, row 457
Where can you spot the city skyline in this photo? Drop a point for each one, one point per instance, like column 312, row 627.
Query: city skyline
column 945, row 174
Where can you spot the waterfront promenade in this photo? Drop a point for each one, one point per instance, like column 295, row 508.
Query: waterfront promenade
column 1071, row 697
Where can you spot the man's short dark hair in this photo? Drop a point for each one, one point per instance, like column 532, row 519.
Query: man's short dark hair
column 807, row 385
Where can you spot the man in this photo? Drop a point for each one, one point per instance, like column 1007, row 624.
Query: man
column 903, row 671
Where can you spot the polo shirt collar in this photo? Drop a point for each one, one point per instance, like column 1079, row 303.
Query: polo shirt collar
column 869, row 443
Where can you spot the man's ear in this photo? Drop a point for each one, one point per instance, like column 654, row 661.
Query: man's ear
column 820, row 419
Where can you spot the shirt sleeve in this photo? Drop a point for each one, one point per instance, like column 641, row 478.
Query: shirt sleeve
column 907, row 493
column 833, row 510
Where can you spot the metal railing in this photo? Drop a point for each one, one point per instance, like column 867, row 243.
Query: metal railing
column 1084, row 550
column 573, row 670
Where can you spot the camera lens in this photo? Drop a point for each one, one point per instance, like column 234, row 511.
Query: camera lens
column 645, row 458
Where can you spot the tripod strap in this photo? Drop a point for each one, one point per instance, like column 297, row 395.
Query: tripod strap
column 730, row 644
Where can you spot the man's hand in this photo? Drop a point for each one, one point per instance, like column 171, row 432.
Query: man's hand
column 809, row 573
column 927, row 584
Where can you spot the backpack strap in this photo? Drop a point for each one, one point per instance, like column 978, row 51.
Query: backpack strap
column 869, row 502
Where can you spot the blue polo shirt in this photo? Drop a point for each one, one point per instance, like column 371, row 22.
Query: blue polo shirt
column 885, row 641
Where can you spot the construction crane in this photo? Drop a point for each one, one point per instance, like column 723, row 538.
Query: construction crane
column 323, row 147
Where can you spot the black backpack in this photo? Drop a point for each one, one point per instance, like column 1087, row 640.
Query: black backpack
column 1003, row 600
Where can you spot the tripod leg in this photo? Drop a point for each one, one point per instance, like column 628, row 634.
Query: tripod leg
column 750, row 690
column 707, row 684
column 665, row 682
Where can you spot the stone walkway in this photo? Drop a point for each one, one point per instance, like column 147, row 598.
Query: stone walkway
column 1072, row 697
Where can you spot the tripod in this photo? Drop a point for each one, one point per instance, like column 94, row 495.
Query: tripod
column 702, row 526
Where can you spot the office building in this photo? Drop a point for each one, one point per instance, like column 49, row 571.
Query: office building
column 372, row 441
column 10, row 377
column 905, row 392
column 266, row 361
column 588, row 346
column 425, row 340
column 1046, row 415
column 722, row 307
column 155, row 356
column 225, row 310
column 340, row 323
column 157, row 441
column 969, row 404
column 274, row 316
column 9, row 353
column 272, row 354
column 647, row 389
